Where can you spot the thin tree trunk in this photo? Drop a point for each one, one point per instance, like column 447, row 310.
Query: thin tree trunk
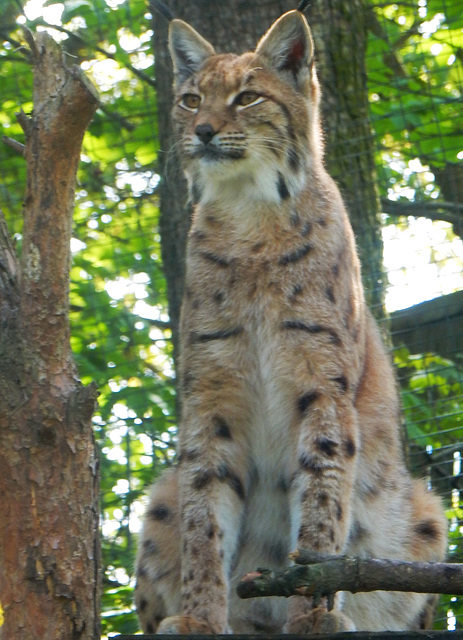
column 340, row 33
column 49, row 540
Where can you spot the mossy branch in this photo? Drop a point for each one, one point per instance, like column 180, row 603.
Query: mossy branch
column 320, row 575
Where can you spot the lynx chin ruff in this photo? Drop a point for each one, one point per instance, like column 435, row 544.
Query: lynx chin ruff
column 290, row 428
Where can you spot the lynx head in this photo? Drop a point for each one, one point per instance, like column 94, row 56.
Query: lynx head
column 247, row 125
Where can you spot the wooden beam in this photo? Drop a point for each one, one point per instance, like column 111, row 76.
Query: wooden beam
column 432, row 326
column 359, row 635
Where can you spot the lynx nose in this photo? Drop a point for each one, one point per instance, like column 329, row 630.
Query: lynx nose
column 205, row 132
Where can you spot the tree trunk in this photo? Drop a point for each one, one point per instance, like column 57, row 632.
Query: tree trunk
column 49, row 540
column 340, row 32
column 237, row 27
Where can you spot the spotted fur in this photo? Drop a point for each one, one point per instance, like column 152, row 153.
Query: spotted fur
column 290, row 428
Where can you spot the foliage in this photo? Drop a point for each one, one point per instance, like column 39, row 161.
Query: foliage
column 432, row 400
column 415, row 83
column 120, row 325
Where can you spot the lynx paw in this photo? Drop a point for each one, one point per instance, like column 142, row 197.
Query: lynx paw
column 183, row 625
column 320, row 621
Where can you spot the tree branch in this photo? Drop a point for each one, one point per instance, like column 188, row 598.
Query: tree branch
column 64, row 104
column 451, row 212
column 9, row 271
column 15, row 145
column 321, row 575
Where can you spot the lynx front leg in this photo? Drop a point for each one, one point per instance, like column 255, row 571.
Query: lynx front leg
column 327, row 455
column 212, row 478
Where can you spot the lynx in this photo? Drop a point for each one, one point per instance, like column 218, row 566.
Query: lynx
column 290, row 429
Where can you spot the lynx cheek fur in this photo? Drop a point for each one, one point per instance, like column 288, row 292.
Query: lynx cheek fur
column 290, row 429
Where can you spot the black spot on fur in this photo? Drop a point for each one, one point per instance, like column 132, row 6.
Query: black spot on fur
column 350, row 448
column 282, row 188
column 330, row 294
column 311, row 328
column 295, row 219
column 217, row 335
column 339, row 511
column 149, row 628
column 202, row 479
column 142, row 605
column 297, row 290
column 342, row 382
column 323, row 499
column 327, row 446
column 427, row 529
column 219, row 296
column 188, row 455
column 304, row 402
column 309, row 464
column 221, row 429
column 159, row 512
column 150, row 548
column 295, row 256
column 225, row 474
column 306, row 229
column 210, row 531
column 212, row 257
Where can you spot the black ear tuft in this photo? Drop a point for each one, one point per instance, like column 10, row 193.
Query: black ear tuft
column 157, row 6
column 302, row 6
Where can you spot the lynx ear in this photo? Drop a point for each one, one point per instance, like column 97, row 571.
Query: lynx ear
column 188, row 50
column 287, row 48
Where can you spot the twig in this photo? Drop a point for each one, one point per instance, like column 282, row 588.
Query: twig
column 24, row 121
column 15, row 145
column 320, row 575
column 29, row 38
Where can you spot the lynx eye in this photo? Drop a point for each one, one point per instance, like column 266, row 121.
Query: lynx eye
column 246, row 98
column 191, row 100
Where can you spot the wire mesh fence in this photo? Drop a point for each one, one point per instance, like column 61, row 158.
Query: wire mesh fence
column 121, row 332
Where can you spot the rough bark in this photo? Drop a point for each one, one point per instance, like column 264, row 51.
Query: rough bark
column 49, row 541
column 319, row 575
column 350, row 144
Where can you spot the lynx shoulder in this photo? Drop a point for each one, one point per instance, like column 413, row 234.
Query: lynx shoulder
column 290, row 428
